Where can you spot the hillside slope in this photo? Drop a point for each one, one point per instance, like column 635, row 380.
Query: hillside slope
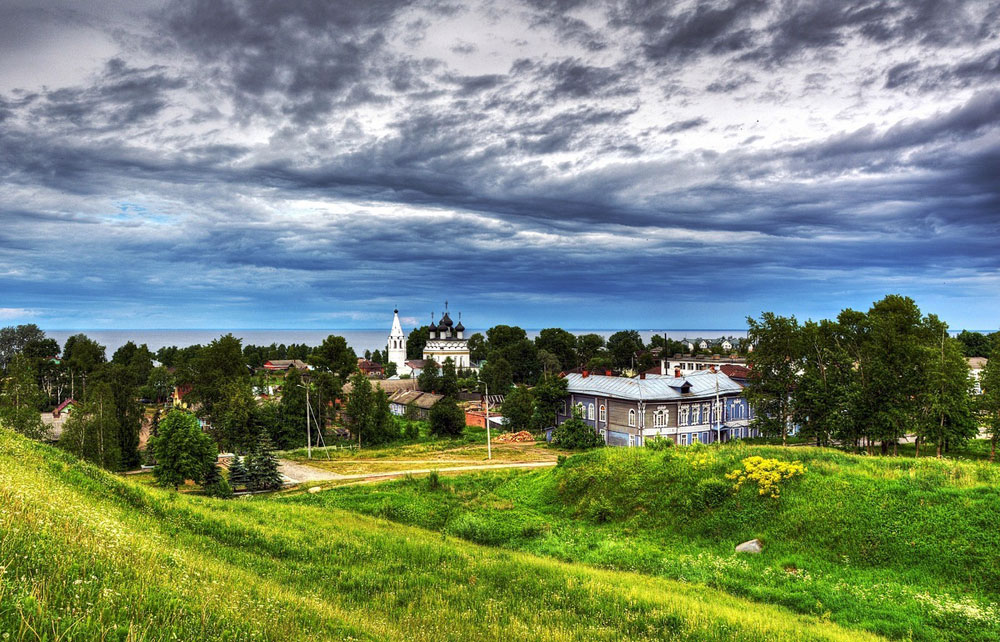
column 902, row 547
column 86, row 555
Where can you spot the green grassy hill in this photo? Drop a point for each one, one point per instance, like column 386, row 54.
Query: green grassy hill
column 85, row 555
column 906, row 548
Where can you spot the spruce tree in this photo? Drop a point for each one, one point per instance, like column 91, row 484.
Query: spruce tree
column 238, row 474
column 262, row 469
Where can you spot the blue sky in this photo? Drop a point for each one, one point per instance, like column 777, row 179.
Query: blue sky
column 221, row 163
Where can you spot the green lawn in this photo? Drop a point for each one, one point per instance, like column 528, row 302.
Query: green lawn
column 85, row 555
column 907, row 548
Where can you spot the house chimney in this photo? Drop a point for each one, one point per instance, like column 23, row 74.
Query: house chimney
column 711, row 368
column 586, row 373
column 677, row 372
column 642, row 375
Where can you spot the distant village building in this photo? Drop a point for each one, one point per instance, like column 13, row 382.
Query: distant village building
column 395, row 347
column 976, row 365
column 284, row 365
column 705, row 406
column 370, row 368
column 447, row 340
column 422, row 401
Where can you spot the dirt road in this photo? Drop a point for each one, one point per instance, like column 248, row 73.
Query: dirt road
column 301, row 473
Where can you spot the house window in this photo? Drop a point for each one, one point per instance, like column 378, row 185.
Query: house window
column 694, row 438
column 695, row 414
column 660, row 418
column 631, row 440
column 562, row 409
column 590, row 412
column 685, row 415
column 604, row 413
column 706, row 408
column 718, row 412
column 631, row 418
column 579, row 406
column 704, row 437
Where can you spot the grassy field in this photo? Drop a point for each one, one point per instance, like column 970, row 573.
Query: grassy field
column 85, row 555
column 905, row 548
column 470, row 448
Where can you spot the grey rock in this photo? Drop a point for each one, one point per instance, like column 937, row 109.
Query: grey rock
column 754, row 546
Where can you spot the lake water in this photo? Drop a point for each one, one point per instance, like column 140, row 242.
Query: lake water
column 360, row 340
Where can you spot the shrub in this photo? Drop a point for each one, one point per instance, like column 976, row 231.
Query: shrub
column 447, row 419
column 433, row 480
column 710, row 493
column 767, row 474
column 574, row 434
column 659, row 443
column 220, row 489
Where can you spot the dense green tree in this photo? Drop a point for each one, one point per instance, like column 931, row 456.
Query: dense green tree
column 518, row 408
column 138, row 361
column 158, row 385
column 821, row 404
column 214, row 484
column 291, row 431
column 21, row 399
column 238, row 418
column 92, row 431
column 559, row 343
column 588, row 346
column 977, row 344
column 391, row 369
column 368, row 413
column 81, row 355
column 211, row 370
column 182, row 450
column 415, row 342
column 448, row 381
column 575, row 434
column 262, row 467
column 477, row 347
column 774, row 367
column 548, row 362
column 447, row 419
column 124, row 381
column 238, row 476
column 497, row 376
column 428, row 379
column 623, row 346
column 14, row 340
column 335, row 356
column 989, row 400
column 945, row 396
column 548, row 395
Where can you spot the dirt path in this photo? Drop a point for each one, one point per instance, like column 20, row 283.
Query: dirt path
column 300, row 473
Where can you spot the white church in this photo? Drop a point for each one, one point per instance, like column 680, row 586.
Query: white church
column 446, row 339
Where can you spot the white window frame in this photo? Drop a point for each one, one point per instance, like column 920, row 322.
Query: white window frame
column 590, row 412
column 694, row 438
column 695, row 414
column 631, row 418
column 562, row 408
column 583, row 411
column 603, row 413
column 631, row 440
column 685, row 416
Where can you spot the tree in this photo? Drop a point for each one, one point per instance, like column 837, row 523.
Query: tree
column 368, row 412
column 291, row 430
column 549, row 395
column 588, row 346
column 976, row 344
column 262, row 467
column 158, row 384
column 182, row 450
column 773, row 371
column 81, row 355
column 138, row 361
column 124, row 384
column 448, row 382
column 477, row 347
column 575, row 434
column 822, row 401
column 237, row 425
column 446, row 418
column 91, row 432
column 391, row 369
column 989, row 401
column 21, row 399
column 548, row 362
column 518, row 407
column 428, row 379
column 238, row 477
column 559, row 343
column 623, row 346
column 215, row 485
column 945, row 399
column 211, row 370
column 496, row 374
column 415, row 342
column 13, row 340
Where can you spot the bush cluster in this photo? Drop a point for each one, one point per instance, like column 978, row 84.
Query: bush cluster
column 766, row 473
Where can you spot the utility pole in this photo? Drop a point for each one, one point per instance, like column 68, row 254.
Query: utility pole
column 309, row 451
column 486, row 404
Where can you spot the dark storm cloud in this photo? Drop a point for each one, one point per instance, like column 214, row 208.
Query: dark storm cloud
column 332, row 152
